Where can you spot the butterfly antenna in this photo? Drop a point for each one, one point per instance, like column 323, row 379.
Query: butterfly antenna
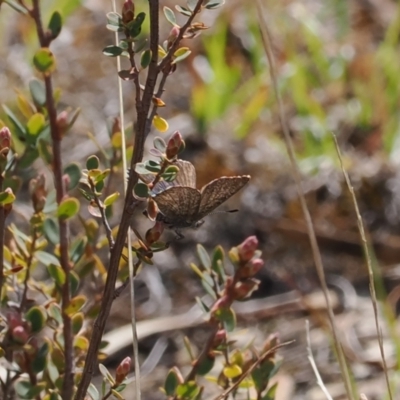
column 224, row 211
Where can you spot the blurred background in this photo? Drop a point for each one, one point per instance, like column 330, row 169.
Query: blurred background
column 338, row 72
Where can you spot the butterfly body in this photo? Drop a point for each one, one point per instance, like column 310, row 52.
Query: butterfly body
column 181, row 205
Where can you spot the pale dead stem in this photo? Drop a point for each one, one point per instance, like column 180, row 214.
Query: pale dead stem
column 367, row 254
column 297, row 177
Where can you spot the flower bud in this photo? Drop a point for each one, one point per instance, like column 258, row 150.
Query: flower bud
column 5, row 142
column 66, row 179
column 174, row 145
column 172, row 36
column 14, row 319
column 247, row 249
column 128, row 11
column 219, row 338
column 123, row 370
column 62, row 121
column 250, row 269
column 20, row 335
column 245, row 288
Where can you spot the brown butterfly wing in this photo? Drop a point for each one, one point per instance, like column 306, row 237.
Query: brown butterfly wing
column 218, row 191
column 179, row 204
column 185, row 177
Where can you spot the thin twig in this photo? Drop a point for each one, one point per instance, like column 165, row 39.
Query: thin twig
column 56, row 137
column 142, row 128
column 306, row 213
column 2, row 232
column 314, row 365
column 367, row 254
column 129, row 207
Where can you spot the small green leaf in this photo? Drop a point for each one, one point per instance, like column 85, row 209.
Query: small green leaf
column 217, row 263
column 74, row 172
column 188, row 390
column 159, row 144
column 37, row 317
column 113, row 51
column 271, row 393
column 135, row 26
column 44, row 61
column 78, row 249
column 171, row 382
column 213, row 4
column 104, row 371
column 35, row 124
column 19, row 127
column 111, row 199
column 77, row 322
column 116, row 394
column 81, row 343
column 141, row 190
column 93, row 392
column 145, row 59
column 75, row 305
column 181, row 54
column 152, row 166
column 6, row 198
column 114, row 18
column 232, row 371
column 227, row 317
column 191, row 4
column 203, row 257
column 203, row 306
column 51, row 231
column 169, row 15
column 47, row 258
column 68, row 208
column 92, row 162
column 57, row 273
column 38, row 92
column 206, row 365
column 74, row 283
column 183, row 11
column 40, row 361
column 55, row 24
column 126, row 75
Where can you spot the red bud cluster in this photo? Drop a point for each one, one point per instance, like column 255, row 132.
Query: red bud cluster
column 172, row 36
column 19, row 329
column 174, row 145
column 219, row 338
column 123, row 370
column 128, row 11
column 62, row 121
column 5, row 141
column 247, row 249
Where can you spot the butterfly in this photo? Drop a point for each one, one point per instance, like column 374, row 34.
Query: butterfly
column 181, row 205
